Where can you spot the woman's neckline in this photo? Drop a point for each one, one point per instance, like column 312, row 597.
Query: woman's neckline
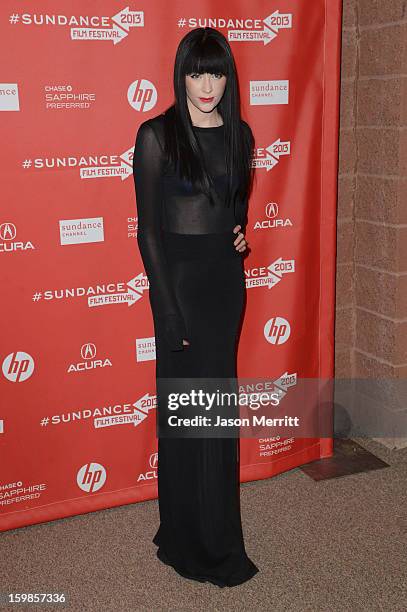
column 211, row 127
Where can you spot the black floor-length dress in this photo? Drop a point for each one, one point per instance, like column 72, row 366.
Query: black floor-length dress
column 197, row 292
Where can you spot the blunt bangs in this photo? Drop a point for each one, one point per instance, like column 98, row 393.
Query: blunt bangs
column 207, row 56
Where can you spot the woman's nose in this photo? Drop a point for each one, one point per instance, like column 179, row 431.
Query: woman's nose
column 207, row 83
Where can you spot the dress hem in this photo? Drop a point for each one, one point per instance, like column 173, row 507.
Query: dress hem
column 163, row 557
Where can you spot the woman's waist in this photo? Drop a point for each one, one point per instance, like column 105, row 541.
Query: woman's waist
column 205, row 246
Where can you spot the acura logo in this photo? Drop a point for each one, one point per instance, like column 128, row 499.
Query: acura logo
column 154, row 460
column 271, row 210
column 88, row 351
column 8, row 231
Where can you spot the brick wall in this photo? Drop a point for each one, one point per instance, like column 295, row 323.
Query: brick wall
column 371, row 308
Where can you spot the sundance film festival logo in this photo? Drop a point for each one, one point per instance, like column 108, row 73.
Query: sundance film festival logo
column 269, row 276
column 18, row 366
column 268, row 157
column 8, row 242
column 247, row 29
column 91, row 477
column 277, row 330
column 133, row 413
column 86, row 27
column 103, row 294
column 89, row 361
column 90, row 166
column 278, row 388
column 142, row 95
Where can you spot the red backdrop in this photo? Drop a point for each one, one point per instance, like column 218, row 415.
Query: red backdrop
column 77, row 420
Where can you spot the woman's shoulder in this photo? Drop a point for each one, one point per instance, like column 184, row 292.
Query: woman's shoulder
column 247, row 130
column 152, row 128
column 153, row 123
column 245, row 125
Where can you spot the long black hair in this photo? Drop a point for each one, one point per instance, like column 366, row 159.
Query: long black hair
column 206, row 50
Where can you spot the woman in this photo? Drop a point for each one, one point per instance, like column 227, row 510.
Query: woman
column 192, row 172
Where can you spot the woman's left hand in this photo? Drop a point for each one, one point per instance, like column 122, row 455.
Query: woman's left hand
column 240, row 241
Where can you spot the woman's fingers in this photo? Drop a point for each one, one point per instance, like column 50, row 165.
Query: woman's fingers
column 240, row 242
column 239, row 238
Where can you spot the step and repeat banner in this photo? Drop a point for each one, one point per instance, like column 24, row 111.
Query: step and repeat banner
column 77, row 354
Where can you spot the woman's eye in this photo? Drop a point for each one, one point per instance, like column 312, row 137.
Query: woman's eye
column 215, row 74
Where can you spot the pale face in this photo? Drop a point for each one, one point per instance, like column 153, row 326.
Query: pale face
column 201, row 86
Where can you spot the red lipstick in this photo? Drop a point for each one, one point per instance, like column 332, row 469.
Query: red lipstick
column 206, row 99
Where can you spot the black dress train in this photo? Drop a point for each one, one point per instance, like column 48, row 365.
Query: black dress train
column 197, row 291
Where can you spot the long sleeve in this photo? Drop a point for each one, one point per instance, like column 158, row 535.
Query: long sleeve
column 241, row 213
column 243, row 203
column 147, row 169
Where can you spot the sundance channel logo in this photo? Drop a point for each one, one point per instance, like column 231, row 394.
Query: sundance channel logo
column 9, row 99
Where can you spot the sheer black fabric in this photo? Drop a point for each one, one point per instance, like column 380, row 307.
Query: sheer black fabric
column 197, row 292
column 165, row 202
